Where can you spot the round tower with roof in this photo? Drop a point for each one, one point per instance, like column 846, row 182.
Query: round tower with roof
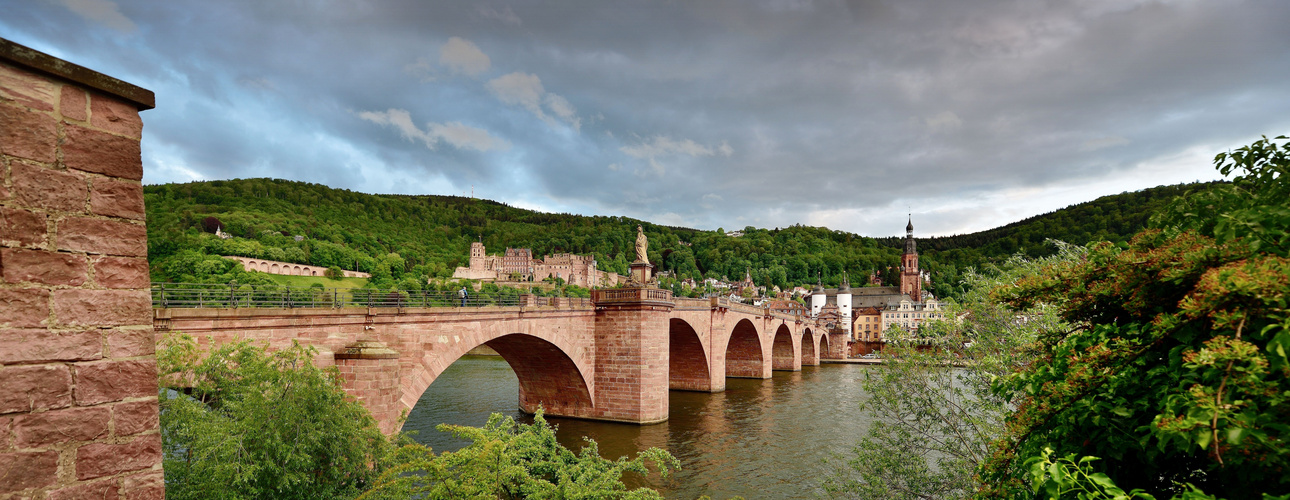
column 818, row 299
column 844, row 305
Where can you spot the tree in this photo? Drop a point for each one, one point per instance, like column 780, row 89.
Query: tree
column 241, row 422
column 933, row 424
column 334, row 272
column 511, row 460
column 1175, row 374
column 210, row 224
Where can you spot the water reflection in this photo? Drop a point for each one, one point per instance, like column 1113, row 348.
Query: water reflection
column 758, row 439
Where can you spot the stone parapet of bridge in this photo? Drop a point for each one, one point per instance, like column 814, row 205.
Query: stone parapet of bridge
column 612, row 357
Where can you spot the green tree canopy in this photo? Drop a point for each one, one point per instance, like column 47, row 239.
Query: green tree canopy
column 511, row 460
column 241, row 422
column 1176, row 371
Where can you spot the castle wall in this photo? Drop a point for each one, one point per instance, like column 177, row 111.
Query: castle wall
column 288, row 268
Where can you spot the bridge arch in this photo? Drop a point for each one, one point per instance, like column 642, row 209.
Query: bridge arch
column 783, row 353
column 810, row 356
column 688, row 363
column 744, row 357
column 548, row 376
column 824, row 344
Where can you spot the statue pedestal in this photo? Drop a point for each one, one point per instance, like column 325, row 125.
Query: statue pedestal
column 641, row 272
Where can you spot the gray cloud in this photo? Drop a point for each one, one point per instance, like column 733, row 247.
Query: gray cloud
column 971, row 113
column 461, row 56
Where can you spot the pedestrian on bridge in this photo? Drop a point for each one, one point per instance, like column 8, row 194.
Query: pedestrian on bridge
column 462, row 293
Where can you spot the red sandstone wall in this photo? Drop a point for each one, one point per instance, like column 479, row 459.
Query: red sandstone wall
column 375, row 383
column 78, row 384
column 631, row 363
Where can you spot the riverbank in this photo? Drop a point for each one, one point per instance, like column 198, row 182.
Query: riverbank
column 873, row 361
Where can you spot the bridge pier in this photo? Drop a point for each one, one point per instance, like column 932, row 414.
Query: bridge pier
column 370, row 373
column 631, row 342
column 837, row 346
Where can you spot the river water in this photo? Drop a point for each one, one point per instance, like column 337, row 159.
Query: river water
column 758, row 439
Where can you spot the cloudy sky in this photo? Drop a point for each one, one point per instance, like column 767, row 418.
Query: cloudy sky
column 969, row 113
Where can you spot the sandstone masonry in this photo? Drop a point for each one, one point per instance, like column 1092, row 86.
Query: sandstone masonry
column 78, row 375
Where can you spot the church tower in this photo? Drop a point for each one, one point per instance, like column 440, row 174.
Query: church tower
column 911, row 280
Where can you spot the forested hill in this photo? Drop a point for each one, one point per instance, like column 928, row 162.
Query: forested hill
column 405, row 239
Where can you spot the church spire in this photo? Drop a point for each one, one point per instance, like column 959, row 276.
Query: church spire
column 910, row 276
column 909, row 237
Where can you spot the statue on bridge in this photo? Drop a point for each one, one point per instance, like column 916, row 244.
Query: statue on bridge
column 641, row 275
column 642, row 246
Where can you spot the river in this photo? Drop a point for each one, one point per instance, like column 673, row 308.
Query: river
column 758, row 439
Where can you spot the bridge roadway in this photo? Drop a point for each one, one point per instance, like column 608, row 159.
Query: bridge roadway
column 611, row 358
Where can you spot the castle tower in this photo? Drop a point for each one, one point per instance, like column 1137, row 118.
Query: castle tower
column 844, row 305
column 476, row 255
column 911, row 281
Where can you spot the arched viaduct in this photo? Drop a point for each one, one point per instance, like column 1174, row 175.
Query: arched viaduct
column 614, row 359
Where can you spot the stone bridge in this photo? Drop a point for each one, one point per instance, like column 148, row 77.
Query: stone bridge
column 612, row 358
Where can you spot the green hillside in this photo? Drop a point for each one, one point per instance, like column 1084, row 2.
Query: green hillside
column 403, row 240
column 1112, row 218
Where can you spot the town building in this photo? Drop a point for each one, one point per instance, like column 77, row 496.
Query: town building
column 871, row 312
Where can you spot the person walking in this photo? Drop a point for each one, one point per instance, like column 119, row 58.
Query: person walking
column 462, row 293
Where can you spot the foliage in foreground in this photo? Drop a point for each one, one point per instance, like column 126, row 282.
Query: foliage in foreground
column 242, row 422
column 512, row 460
column 1177, row 376
column 1055, row 478
column 260, row 424
column 933, row 422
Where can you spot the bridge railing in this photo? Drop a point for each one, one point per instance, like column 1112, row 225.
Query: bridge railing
column 201, row 295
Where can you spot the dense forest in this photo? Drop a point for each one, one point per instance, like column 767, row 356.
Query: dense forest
column 404, row 240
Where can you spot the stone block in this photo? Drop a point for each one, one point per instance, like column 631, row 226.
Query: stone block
column 102, row 153
column 6, row 434
column 40, row 187
column 105, row 381
column 20, row 308
column 115, row 198
column 145, row 486
column 121, row 272
column 131, row 343
column 102, row 236
column 103, row 459
column 135, row 417
column 105, row 489
column 41, row 266
column 102, row 307
column 21, row 227
column 115, row 116
column 28, row 134
column 23, row 470
column 42, row 429
column 28, row 388
column 35, row 345
column 25, row 88
column 72, row 103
